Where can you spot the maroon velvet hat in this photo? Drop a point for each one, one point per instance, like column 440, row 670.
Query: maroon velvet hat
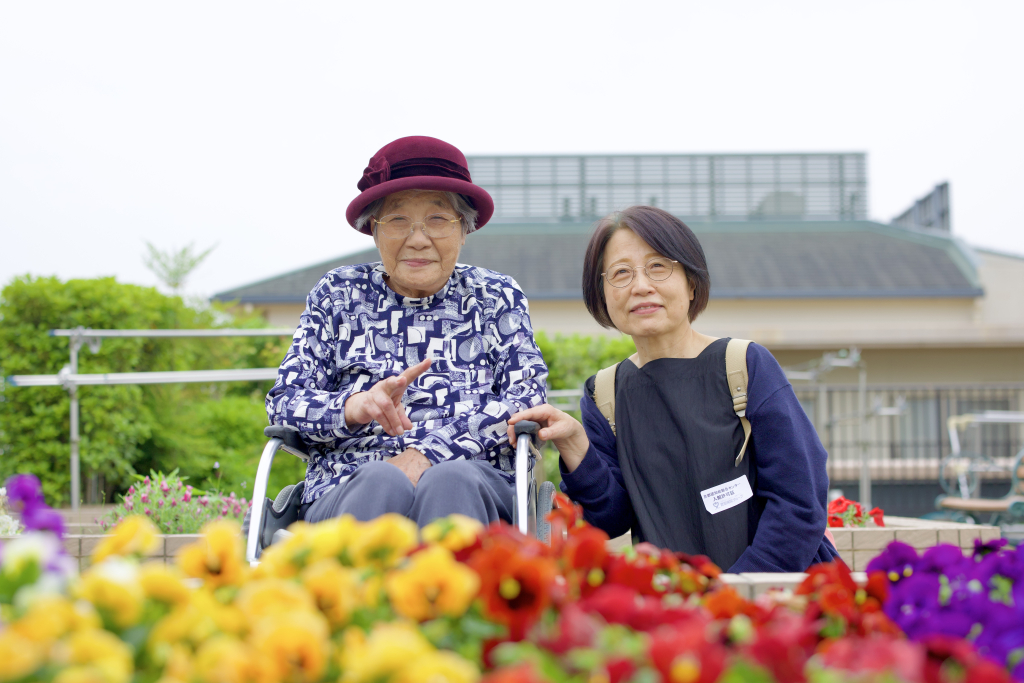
column 418, row 163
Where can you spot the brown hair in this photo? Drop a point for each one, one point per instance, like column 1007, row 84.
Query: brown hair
column 667, row 235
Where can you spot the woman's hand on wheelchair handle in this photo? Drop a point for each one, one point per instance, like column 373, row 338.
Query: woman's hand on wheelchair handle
column 383, row 402
column 558, row 427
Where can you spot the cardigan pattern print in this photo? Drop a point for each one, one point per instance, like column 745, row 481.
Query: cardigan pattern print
column 356, row 331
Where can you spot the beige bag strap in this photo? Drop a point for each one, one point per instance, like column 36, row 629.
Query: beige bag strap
column 604, row 391
column 736, row 374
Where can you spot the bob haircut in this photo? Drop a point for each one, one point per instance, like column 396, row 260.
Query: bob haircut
column 667, row 235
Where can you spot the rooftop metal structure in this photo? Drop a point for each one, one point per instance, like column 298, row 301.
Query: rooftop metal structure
column 930, row 211
column 709, row 187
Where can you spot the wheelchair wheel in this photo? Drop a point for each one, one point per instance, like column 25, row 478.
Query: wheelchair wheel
column 545, row 498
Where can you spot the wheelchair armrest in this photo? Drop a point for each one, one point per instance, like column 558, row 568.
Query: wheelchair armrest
column 290, row 437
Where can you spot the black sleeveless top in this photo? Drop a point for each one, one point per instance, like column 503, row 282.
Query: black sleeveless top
column 678, row 435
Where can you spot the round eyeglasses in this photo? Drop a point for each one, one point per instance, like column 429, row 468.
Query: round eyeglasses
column 657, row 270
column 395, row 226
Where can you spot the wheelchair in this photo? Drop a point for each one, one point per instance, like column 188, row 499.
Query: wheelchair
column 267, row 520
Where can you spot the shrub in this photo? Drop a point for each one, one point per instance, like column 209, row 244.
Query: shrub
column 124, row 429
column 572, row 359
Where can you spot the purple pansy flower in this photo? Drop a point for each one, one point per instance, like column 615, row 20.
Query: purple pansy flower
column 983, row 548
column 898, row 561
column 944, row 559
column 42, row 518
column 24, row 492
column 913, row 603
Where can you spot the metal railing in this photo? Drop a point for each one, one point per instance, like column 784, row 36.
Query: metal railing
column 911, row 446
column 70, row 379
column 908, row 446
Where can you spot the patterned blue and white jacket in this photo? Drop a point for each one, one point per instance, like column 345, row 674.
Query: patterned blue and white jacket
column 356, row 331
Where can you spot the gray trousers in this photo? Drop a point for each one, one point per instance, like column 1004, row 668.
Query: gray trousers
column 468, row 487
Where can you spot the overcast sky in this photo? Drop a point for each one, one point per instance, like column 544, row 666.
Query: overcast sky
column 247, row 125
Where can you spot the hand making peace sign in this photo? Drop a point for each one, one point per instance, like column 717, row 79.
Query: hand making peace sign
column 383, row 402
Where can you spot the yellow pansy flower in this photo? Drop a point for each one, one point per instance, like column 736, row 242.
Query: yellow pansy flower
column 218, row 558
column 371, row 593
column 438, row 667
column 163, row 583
column 48, row 618
column 178, row 667
column 432, row 585
column 135, row 535
column 384, row 541
column 454, row 532
column 290, row 647
column 19, row 656
column 94, row 655
column 80, row 674
column 226, row 618
column 272, row 597
column 85, row 616
column 184, row 622
column 193, row 622
column 224, row 659
column 285, row 558
column 334, row 538
column 388, row 648
column 335, row 589
column 112, row 586
column 309, row 544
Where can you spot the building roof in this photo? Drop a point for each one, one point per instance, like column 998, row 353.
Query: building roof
column 749, row 259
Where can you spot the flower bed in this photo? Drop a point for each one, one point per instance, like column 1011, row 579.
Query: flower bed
column 859, row 545
column 173, row 506
column 384, row 602
column 843, row 512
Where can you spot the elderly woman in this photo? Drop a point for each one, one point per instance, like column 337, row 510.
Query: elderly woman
column 403, row 373
column 666, row 465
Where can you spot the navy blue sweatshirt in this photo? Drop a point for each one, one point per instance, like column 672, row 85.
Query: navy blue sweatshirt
column 791, row 489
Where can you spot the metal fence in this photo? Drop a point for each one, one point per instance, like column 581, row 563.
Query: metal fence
column 910, row 446
column 693, row 186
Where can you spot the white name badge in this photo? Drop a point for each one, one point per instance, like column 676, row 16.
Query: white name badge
column 727, row 495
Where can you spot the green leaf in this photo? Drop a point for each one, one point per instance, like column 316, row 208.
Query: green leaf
column 745, row 672
column 645, row 675
column 10, row 583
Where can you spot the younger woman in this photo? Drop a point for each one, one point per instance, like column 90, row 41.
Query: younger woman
column 669, row 471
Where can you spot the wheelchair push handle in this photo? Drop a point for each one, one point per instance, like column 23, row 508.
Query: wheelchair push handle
column 523, row 483
column 527, row 427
